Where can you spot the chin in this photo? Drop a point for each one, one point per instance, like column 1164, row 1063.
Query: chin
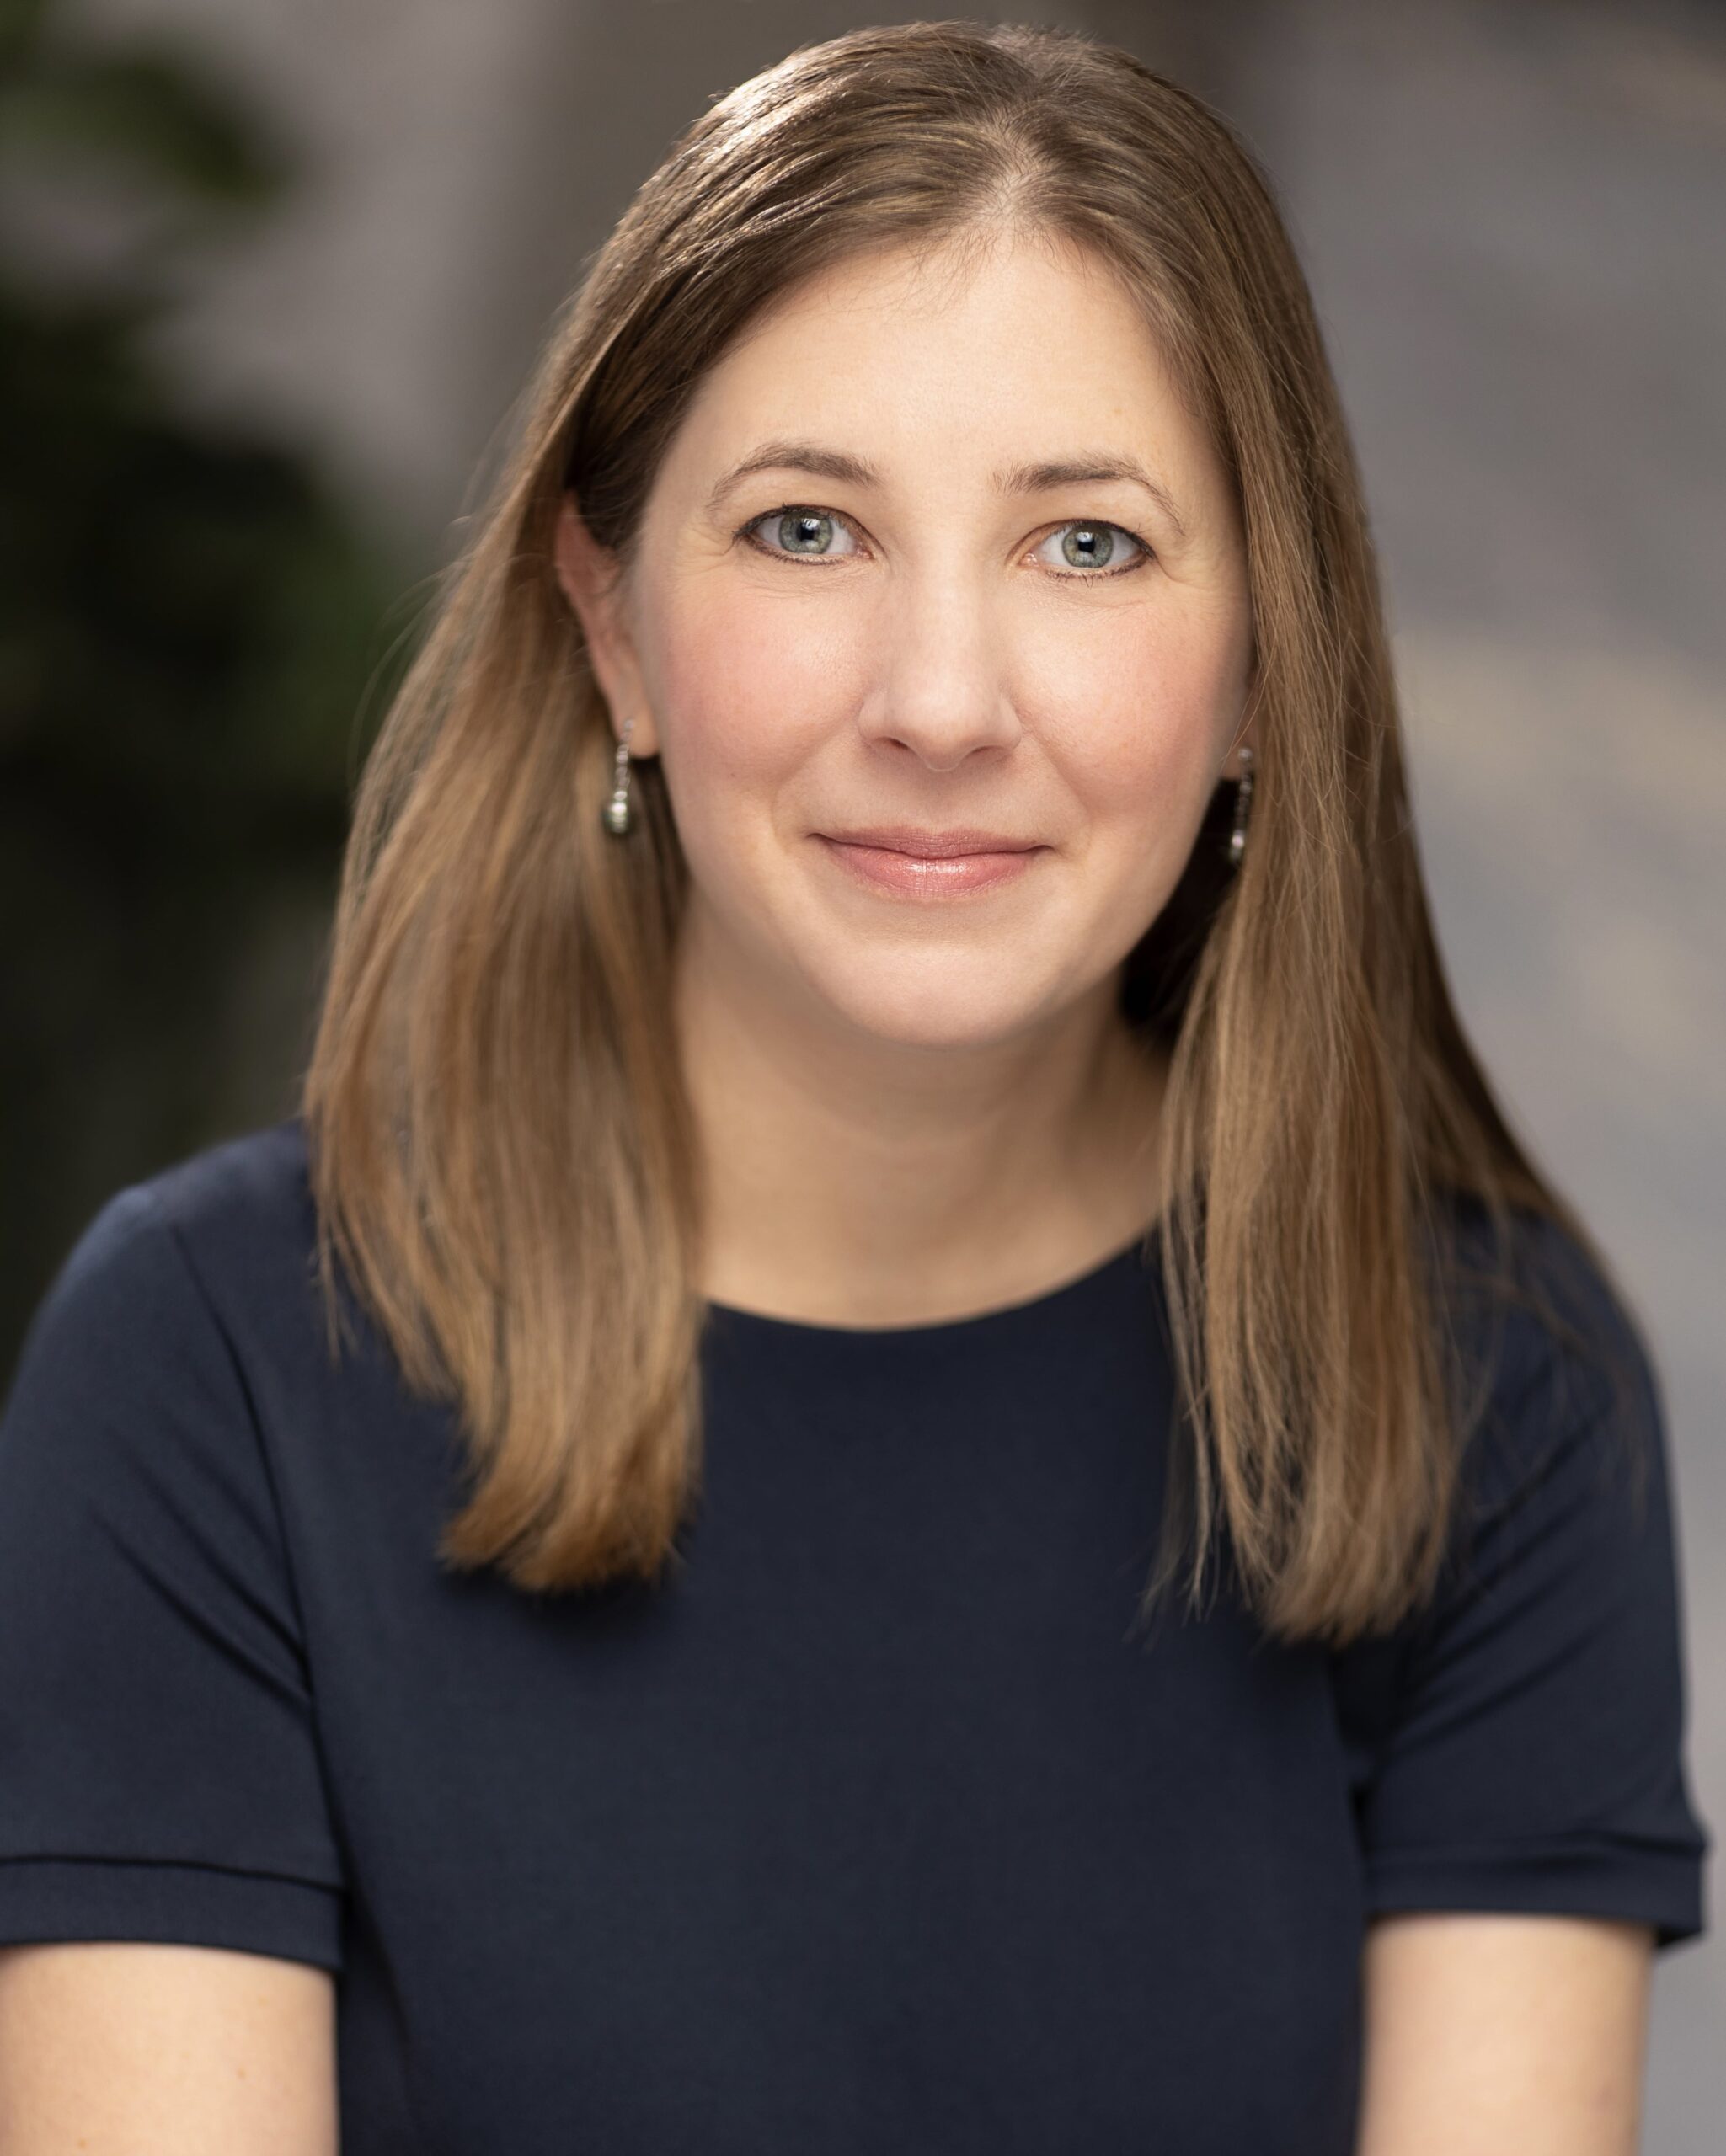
column 936, row 1012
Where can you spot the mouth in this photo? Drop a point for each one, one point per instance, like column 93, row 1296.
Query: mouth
column 931, row 845
column 922, row 864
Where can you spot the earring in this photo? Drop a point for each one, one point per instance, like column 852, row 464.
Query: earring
column 616, row 815
column 1243, row 802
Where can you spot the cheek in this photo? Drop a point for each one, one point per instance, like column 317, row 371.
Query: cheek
column 743, row 693
column 1138, row 715
column 1127, row 715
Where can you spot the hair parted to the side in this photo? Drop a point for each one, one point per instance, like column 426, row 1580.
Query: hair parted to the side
column 502, row 1152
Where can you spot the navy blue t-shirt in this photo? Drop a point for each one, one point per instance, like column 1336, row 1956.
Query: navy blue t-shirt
column 880, row 1823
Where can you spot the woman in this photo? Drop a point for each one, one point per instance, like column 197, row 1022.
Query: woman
column 885, row 1098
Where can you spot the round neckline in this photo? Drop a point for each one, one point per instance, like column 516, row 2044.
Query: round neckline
column 1145, row 1246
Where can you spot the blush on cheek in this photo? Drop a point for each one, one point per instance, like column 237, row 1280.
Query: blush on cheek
column 1153, row 756
column 1139, row 697
column 744, row 697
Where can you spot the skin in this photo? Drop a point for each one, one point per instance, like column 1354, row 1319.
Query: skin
column 912, row 1111
column 124, row 2048
column 1504, row 2035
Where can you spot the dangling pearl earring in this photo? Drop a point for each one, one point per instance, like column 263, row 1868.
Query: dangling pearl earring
column 1243, row 802
column 616, row 815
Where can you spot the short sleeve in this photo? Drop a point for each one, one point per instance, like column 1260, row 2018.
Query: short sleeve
column 1520, row 1743
column 160, row 1777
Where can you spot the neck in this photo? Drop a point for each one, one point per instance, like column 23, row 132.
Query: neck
column 853, row 1179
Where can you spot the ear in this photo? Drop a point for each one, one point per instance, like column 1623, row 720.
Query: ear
column 592, row 584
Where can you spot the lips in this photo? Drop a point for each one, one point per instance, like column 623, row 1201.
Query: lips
column 932, row 845
column 930, row 865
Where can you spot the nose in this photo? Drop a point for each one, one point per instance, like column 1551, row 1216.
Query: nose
column 940, row 688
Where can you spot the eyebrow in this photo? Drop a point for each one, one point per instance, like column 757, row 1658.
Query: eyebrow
column 1011, row 479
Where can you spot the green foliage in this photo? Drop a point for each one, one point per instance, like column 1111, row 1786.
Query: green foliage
column 142, row 109
column 190, row 626
column 183, row 620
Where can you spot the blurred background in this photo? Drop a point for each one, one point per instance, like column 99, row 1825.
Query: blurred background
column 272, row 273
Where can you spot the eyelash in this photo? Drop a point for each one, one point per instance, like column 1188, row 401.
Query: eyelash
column 747, row 531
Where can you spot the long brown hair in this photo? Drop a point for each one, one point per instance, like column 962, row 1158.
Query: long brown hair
column 502, row 1152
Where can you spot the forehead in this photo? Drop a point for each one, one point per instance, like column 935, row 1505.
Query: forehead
column 1022, row 342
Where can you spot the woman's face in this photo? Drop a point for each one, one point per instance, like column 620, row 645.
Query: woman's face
column 898, row 591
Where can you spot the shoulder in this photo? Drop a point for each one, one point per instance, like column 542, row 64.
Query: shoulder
column 233, row 1198
column 1529, row 1267
column 215, row 1246
column 228, row 1197
column 1555, row 1394
column 1517, row 1744
column 1535, row 1315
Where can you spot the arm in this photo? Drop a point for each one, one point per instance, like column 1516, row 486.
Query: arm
column 146, row 2050
column 1504, row 2035
column 172, row 1883
column 1518, row 1765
